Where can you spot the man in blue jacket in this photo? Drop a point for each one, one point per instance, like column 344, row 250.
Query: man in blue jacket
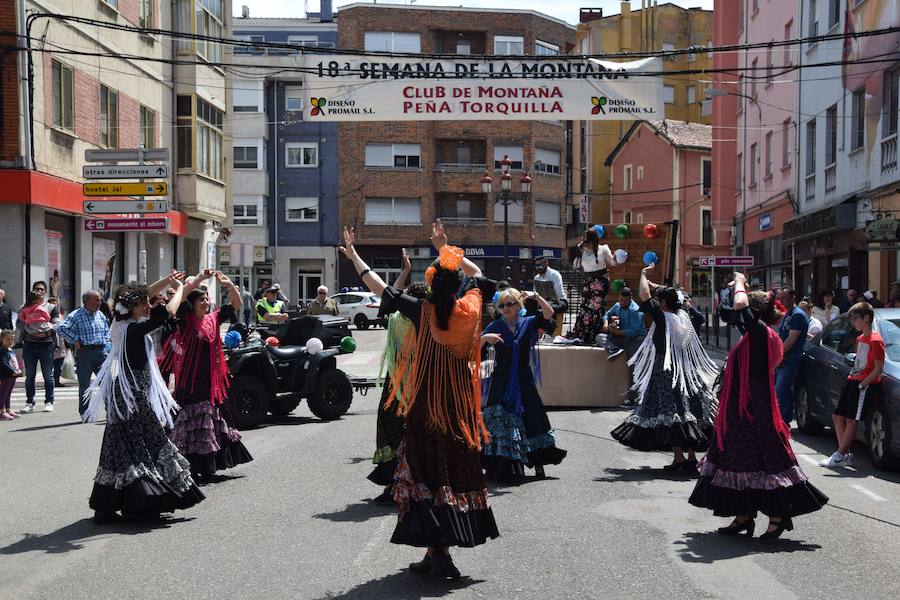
column 624, row 326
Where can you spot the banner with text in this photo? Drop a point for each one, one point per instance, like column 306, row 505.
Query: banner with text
column 381, row 88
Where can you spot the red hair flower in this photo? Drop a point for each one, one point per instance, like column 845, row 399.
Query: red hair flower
column 429, row 274
column 451, row 257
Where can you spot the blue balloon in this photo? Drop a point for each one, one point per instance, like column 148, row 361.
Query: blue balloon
column 232, row 339
column 650, row 258
column 601, row 231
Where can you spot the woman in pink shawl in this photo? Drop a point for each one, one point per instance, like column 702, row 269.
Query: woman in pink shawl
column 750, row 466
column 194, row 353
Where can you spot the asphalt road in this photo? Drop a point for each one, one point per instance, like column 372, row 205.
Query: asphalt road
column 296, row 523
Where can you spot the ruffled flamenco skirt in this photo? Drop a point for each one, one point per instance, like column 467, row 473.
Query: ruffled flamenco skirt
column 756, row 470
column 439, row 489
column 203, row 434
column 663, row 420
column 388, row 436
column 141, row 473
column 511, row 449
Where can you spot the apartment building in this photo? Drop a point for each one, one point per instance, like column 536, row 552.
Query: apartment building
column 283, row 201
column 397, row 177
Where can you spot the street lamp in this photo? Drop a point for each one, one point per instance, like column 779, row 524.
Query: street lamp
column 506, row 197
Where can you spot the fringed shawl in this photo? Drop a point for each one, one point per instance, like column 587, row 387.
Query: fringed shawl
column 451, row 358
column 739, row 358
column 525, row 333
column 691, row 368
column 182, row 354
column 398, row 327
column 116, row 374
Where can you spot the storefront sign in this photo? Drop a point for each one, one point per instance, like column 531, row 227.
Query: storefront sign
column 829, row 220
column 475, row 252
column 883, row 230
column 384, row 88
column 126, row 224
column 726, row 261
column 765, row 221
column 153, row 188
column 584, row 209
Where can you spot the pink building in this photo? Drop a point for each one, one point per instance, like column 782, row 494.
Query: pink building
column 662, row 171
column 765, row 105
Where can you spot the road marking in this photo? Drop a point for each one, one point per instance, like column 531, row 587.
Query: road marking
column 370, row 547
column 809, row 459
column 867, row 492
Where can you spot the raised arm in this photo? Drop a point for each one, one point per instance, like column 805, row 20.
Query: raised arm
column 439, row 240
column 645, row 286
column 403, row 277
column 196, row 280
column 546, row 308
column 369, row 278
column 233, row 294
column 741, row 300
column 176, row 299
column 158, row 286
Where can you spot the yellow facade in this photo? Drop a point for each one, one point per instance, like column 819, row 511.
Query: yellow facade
column 651, row 28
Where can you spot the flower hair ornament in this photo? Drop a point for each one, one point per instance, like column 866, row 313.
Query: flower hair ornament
column 129, row 300
column 121, row 309
column 449, row 258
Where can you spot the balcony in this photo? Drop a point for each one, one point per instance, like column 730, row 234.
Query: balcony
column 460, row 42
column 460, row 155
column 461, row 209
column 830, row 180
column 889, row 154
column 810, row 188
column 460, row 167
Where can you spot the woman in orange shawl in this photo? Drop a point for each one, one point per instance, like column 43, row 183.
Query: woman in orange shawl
column 438, row 485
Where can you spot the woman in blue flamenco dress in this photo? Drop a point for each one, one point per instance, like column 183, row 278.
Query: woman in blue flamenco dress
column 514, row 414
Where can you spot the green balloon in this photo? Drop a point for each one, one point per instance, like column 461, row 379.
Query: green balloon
column 622, row 231
column 348, row 344
column 617, row 285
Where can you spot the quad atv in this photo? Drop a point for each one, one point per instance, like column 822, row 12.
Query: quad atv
column 274, row 379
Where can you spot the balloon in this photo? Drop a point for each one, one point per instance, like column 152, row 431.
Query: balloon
column 621, row 256
column 651, row 231
column 650, row 258
column 273, row 341
column 232, row 339
column 348, row 344
column 601, row 231
column 314, row 345
column 617, row 285
column 622, row 231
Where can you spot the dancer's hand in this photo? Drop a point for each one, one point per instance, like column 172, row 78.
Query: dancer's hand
column 492, row 338
column 648, row 268
column 438, row 235
column 224, row 279
column 349, row 237
column 404, row 259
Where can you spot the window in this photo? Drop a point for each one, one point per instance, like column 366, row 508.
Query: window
column 247, row 96
column 831, row 131
column 768, row 150
column 834, row 13
column 640, row 173
column 890, row 103
column 753, row 75
column 788, row 28
column 739, row 185
column 63, row 98
column 640, row 217
column 293, row 98
column 669, row 94
column 516, row 213
column 300, row 210
column 393, row 41
column 755, row 6
column 546, row 213
column 302, row 154
column 146, row 18
column 246, row 157
column 626, row 178
column 184, row 131
column 741, row 10
column 626, row 216
column 303, row 40
column 248, row 210
column 545, row 48
column 706, row 227
column 706, row 175
column 786, row 144
column 209, row 138
column 813, row 21
column 546, row 161
column 770, row 66
column 393, row 211
column 464, row 47
column 111, row 3
column 109, row 117
column 202, row 18
column 668, row 47
column 835, row 333
column 515, row 154
column 692, row 94
column 858, row 122
column 754, row 156
column 509, row 44
column 148, row 127
column 811, row 146
column 397, row 156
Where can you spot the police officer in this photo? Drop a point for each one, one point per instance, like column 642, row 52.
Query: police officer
column 269, row 309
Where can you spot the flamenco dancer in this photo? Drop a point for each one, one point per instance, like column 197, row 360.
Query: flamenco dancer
column 673, row 377
column 515, row 416
column 141, row 472
column 750, row 466
column 438, row 486
column 202, row 431
column 594, row 260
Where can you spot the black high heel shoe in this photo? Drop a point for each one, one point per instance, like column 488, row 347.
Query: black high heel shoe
column 784, row 524
column 423, row 567
column 736, row 528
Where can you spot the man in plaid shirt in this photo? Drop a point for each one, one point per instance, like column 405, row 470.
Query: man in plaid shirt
column 87, row 329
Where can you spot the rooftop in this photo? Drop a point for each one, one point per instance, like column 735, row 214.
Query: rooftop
column 681, row 134
column 453, row 9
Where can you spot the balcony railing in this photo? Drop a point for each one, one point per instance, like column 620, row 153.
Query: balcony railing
column 464, row 220
column 810, row 188
column 460, row 167
column 830, row 179
column 889, row 154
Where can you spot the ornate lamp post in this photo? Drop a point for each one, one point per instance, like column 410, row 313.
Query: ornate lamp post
column 506, row 197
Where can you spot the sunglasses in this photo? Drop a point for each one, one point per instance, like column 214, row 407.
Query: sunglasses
column 506, row 305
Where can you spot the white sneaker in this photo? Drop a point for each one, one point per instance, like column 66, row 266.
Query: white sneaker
column 848, row 459
column 28, row 408
column 48, row 408
column 835, row 460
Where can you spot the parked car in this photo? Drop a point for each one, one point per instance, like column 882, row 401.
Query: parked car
column 827, row 360
column 361, row 308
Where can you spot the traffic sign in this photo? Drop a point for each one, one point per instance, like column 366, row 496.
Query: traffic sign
column 125, row 171
column 122, row 154
column 126, row 224
column 726, row 261
column 151, row 188
column 115, row 207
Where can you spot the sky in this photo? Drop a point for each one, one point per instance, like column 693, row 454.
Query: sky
column 566, row 10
